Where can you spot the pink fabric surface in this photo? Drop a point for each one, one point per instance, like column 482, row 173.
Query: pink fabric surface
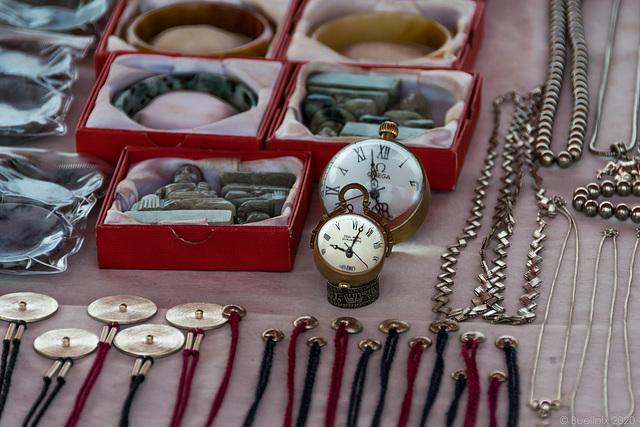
column 513, row 56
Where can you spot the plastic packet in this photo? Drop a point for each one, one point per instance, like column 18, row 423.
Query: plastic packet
column 45, row 199
column 36, row 72
column 63, row 16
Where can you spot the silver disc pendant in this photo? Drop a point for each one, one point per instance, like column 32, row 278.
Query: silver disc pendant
column 124, row 309
column 149, row 340
column 71, row 342
column 27, row 306
column 196, row 315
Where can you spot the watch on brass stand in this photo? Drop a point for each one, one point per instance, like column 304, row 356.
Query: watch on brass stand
column 349, row 251
column 394, row 176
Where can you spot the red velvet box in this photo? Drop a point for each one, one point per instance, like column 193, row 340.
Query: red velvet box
column 442, row 165
column 202, row 247
column 108, row 139
column 465, row 55
column 112, row 35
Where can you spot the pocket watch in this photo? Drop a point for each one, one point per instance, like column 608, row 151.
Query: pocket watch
column 394, row 177
column 349, row 250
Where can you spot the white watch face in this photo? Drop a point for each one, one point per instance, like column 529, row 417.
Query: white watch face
column 389, row 171
column 351, row 243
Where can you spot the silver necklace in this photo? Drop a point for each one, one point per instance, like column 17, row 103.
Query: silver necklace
column 565, row 20
column 625, row 169
column 517, row 152
column 613, row 234
column 545, row 407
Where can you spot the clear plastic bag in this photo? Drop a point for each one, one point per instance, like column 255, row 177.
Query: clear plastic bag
column 45, row 198
column 58, row 16
column 36, row 72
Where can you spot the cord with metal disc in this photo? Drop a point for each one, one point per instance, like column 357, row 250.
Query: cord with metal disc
column 146, row 343
column 368, row 347
column 113, row 311
column 19, row 309
column 234, row 314
column 301, row 324
column 344, row 326
column 393, row 328
column 64, row 345
column 418, row 345
column 625, row 169
column 460, row 377
column 197, row 318
column 270, row 337
column 315, row 345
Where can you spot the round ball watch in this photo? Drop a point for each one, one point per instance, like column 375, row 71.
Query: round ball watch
column 393, row 175
column 349, row 250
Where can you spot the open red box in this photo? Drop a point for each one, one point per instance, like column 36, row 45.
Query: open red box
column 465, row 56
column 108, row 142
column 442, row 165
column 202, row 247
column 103, row 51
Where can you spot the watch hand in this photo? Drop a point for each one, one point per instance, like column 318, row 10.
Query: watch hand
column 350, row 198
column 357, row 256
column 338, row 248
column 353, row 242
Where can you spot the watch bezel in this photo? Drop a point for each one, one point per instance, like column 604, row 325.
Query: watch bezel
column 414, row 220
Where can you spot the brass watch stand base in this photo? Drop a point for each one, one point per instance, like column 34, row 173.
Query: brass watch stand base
column 354, row 297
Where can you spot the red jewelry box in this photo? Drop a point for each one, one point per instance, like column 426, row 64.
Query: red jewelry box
column 102, row 52
column 107, row 143
column 465, row 56
column 442, row 165
column 202, row 247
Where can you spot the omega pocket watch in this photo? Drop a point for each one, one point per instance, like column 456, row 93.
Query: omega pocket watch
column 393, row 175
column 349, row 250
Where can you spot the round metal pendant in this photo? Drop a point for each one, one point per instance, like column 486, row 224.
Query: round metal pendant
column 425, row 342
column 476, row 335
column 369, row 343
column 400, row 325
column 502, row 341
column 149, row 340
column 124, row 309
column 72, row 342
column 276, row 334
column 320, row 340
column 352, row 325
column 310, row 321
column 194, row 315
column 27, row 306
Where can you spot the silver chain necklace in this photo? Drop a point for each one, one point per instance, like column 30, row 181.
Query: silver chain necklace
column 517, row 152
column 565, row 20
column 545, row 407
column 612, row 234
column 625, row 169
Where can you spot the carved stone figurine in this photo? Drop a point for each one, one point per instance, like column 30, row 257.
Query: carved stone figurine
column 188, row 197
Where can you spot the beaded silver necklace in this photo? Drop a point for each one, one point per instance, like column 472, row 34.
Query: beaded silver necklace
column 625, row 169
column 565, row 20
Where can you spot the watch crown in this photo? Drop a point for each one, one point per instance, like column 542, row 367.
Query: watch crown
column 388, row 130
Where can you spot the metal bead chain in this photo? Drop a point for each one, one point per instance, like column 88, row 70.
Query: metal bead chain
column 565, row 18
column 584, row 200
column 518, row 162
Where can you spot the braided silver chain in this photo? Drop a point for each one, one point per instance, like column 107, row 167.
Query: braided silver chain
column 565, row 19
column 518, row 162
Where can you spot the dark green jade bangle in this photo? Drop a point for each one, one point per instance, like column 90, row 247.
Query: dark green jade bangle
column 137, row 96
